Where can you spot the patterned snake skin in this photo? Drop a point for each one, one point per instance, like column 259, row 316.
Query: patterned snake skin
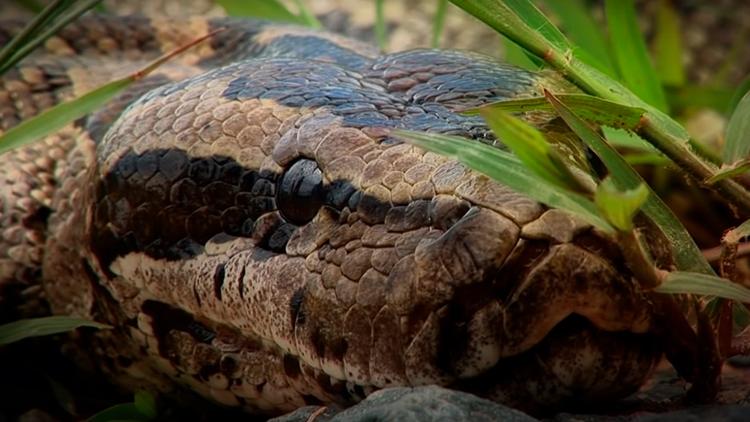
column 254, row 234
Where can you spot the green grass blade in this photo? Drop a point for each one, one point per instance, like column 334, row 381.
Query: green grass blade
column 267, row 9
column 591, row 108
column 658, row 128
column 738, row 233
column 60, row 115
column 620, row 206
column 737, row 144
column 438, row 22
column 507, row 169
column 380, row 29
column 55, row 118
column 517, row 56
column 690, row 96
column 631, row 54
column 581, row 27
column 32, row 6
column 35, row 327
column 738, row 94
column 28, row 47
column 687, row 255
column 683, row 282
column 668, row 50
column 120, row 412
column 725, row 172
column 145, row 402
column 534, row 18
column 307, row 15
column 530, row 146
column 27, row 33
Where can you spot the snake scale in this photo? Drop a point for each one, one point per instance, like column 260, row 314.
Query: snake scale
column 247, row 224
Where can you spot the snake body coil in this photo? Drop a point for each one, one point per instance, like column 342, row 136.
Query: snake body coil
column 247, row 224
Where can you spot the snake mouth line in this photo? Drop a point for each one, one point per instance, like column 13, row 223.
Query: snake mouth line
column 573, row 347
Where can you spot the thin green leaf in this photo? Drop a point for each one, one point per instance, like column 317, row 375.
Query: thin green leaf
column 690, row 96
column 307, row 15
column 738, row 233
column 646, row 159
column 23, row 37
column 687, row 255
column 29, row 45
column 60, row 115
column 620, row 206
column 591, row 108
column 438, row 21
column 658, row 128
column 267, row 9
column 737, row 144
column 622, row 138
column 34, row 327
column 683, row 282
column 380, row 30
column 120, row 412
column 530, row 146
column 631, row 54
column 579, row 24
column 145, row 402
column 517, row 56
column 508, row 170
column 534, row 18
column 668, row 50
column 726, row 172
column 31, row 5
column 738, row 94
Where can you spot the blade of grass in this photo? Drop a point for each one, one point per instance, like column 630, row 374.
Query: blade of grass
column 591, row 108
column 668, row 48
column 30, row 5
column 620, row 206
column 738, row 233
column 681, row 282
column 438, row 22
column 614, row 116
column 737, row 144
column 380, row 30
column 120, row 412
column 690, row 96
column 631, row 54
column 517, row 56
column 725, row 172
column 55, row 26
column 579, row 24
column 658, row 128
column 307, row 15
column 530, row 146
column 687, row 255
column 267, row 9
column 45, row 16
column 508, row 170
column 58, row 116
column 35, row 327
column 534, row 18
column 738, row 94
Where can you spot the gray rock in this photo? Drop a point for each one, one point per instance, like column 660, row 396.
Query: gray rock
column 430, row 403
column 715, row 413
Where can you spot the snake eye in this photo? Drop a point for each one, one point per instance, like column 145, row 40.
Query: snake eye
column 300, row 192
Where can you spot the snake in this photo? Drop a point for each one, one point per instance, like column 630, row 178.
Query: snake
column 255, row 234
